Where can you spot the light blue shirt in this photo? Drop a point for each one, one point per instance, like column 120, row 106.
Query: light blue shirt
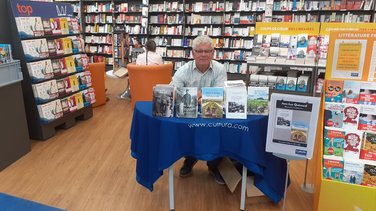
column 190, row 76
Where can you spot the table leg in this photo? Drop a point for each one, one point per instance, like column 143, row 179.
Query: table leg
column 171, row 186
column 287, row 179
column 244, row 184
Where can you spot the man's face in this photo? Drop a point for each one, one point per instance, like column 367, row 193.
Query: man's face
column 203, row 54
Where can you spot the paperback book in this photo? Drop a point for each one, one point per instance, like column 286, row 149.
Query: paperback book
column 40, row 70
column 163, row 100
column 334, row 141
column 333, row 91
column 258, row 100
column 350, row 116
column 29, row 27
column 353, row 171
column 351, row 91
column 236, row 102
column 212, row 102
column 186, row 102
column 367, row 118
column 353, row 141
column 368, row 150
column 35, row 49
column 45, row 91
column 333, row 115
column 369, row 175
column 50, row 111
column 333, row 168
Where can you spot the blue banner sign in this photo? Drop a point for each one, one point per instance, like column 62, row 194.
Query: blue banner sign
column 44, row 10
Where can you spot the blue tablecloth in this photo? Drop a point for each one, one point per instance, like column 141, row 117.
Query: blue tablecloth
column 157, row 143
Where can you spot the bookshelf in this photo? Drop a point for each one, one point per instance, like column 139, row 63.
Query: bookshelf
column 56, row 85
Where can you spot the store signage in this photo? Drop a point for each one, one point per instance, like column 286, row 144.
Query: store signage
column 287, row 28
column 23, row 8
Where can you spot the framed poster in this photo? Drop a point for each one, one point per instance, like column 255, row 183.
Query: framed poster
column 292, row 125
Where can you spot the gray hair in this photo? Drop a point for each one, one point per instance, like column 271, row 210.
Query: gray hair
column 202, row 39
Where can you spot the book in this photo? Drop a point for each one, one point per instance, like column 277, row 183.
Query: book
column 29, row 27
column 40, row 70
column 334, row 141
column 353, row 171
column 333, row 91
column 50, row 111
column 302, row 83
column 74, row 83
column 186, row 102
column 333, row 115
column 35, row 49
column 56, row 67
column 67, row 45
column 368, row 149
column 163, row 100
column 333, row 168
column 367, row 118
column 235, row 101
column 79, row 100
column 353, row 140
column 258, row 100
column 367, row 94
column 46, row 26
column 65, row 106
column 350, row 116
column 55, row 26
column 212, row 102
column 70, row 64
column 351, row 91
column 45, row 91
column 64, row 25
column 369, row 174
column 5, row 53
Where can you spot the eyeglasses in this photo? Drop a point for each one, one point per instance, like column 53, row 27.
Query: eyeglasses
column 203, row 51
column 332, row 88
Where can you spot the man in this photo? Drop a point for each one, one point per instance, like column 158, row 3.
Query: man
column 150, row 57
column 202, row 72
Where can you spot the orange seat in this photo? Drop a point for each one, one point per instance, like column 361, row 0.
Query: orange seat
column 142, row 78
column 97, row 79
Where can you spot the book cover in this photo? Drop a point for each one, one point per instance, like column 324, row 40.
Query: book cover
column 5, row 53
column 64, row 26
column 40, row 70
column 368, row 149
column 74, row 83
column 46, row 26
column 91, row 95
column 29, row 27
column 70, row 64
column 333, row 115
column 35, row 49
column 55, row 26
column 56, row 67
column 74, row 26
column 63, row 66
column 85, row 97
column 353, row 140
column 212, row 102
column 353, row 171
column 333, row 168
column 333, row 91
column 59, row 46
column 302, row 83
column 350, row 116
column 334, row 141
column 45, row 91
column 351, row 90
column 369, row 175
column 79, row 100
column 163, row 100
column 60, row 83
column 186, row 102
column 67, row 45
column 67, row 83
column 236, row 102
column 72, row 103
column 367, row 118
column 258, row 100
column 50, row 111
column 65, row 106
column 281, row 83
column 51, row 48
column 291, row 83
column 367, row 94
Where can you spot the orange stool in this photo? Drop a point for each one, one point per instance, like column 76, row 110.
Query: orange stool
column 97, row 79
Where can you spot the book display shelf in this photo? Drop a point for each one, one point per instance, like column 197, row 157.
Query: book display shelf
column 56, row 85
column 346, row 159
column 104, row 17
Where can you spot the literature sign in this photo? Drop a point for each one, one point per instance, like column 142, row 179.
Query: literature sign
column 292, row 125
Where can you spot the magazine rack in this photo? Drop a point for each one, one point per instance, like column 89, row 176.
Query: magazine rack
column 42, row 130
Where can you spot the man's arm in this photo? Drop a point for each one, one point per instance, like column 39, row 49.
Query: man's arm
column 221, row 77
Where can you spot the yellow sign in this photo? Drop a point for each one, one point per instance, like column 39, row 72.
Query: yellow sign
column 351, row 56
column 287, row 28
column 326, row 28
column 348, row 56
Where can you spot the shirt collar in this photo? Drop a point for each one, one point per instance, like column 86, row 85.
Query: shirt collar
column 210, row 68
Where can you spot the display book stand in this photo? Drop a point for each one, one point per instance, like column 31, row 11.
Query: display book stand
column 42, row 128
column 291, row 129
column 329, row 192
